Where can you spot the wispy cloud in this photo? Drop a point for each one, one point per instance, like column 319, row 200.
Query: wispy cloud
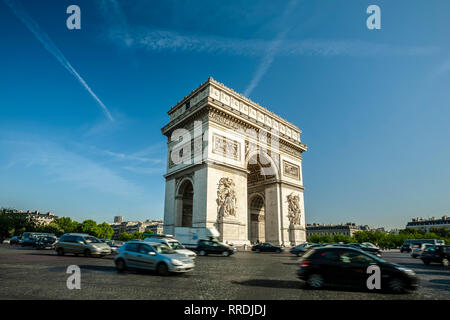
column 163, row 40
column 63, row 166
column 124, row 35
column 32, row 25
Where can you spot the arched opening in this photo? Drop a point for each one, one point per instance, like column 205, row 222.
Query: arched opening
column 257, row 221
column 260, row 172
column 186, row 196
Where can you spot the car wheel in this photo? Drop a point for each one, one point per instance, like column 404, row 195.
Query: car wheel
column 258, row 251
column 225, row 253
column 278, row 251
column 87, row 253
column 426, row 262
column 120, row 265
column 445, row 262
column 202, row 253
column 162, row 269
column 315, row 281
column 60, row 251
column 396, row 285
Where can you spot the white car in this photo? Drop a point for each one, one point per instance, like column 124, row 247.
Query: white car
column 418, row 249
column 174, row 244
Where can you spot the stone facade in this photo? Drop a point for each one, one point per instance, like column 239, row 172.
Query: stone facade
column 235, row 166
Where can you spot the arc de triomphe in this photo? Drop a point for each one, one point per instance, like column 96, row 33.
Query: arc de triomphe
column 235, row 166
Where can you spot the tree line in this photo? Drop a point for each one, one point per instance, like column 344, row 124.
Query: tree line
column 383, row 239
column 14, row 223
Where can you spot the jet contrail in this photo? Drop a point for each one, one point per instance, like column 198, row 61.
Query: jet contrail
column 271, row 51
column 20, row 12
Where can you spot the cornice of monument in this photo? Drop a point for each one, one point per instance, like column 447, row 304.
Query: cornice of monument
column 178, row 112
column 211, row 106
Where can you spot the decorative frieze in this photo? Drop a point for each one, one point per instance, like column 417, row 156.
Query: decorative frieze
column 291, row 170
column 226, row 147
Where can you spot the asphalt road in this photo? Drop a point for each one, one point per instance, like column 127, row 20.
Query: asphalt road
column 41, row 274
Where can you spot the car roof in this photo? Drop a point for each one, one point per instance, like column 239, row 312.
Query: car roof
column 337, row 247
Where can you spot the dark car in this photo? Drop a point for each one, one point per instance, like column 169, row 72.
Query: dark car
column 301, row 249
column 405, row 248
column 29, row 238
column 266, row 247
column 113, row 244
column 369, row 249
column 347, row 266
column 436, row 254
column 15, row 240
column 205, row 247
column 45, row 242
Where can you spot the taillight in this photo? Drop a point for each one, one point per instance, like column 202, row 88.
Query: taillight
column 306, row 263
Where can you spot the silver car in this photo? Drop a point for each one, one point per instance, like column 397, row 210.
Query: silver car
column 81, row 243
column 152, row 256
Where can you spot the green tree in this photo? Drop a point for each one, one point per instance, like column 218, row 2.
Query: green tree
column 52, row 227
column 104, row 230
column 67, row 224
column 124, row 236
column 13, row 222
column 88, row 226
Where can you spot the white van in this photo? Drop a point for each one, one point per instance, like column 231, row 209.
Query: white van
column 190, row 237
column 172, row 243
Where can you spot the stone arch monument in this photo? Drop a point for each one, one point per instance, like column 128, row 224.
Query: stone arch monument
column 235, row 166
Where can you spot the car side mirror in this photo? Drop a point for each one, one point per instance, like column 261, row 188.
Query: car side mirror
column 152, row 253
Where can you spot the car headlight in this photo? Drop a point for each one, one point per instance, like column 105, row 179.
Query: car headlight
column 177, row 262
column 406, row 270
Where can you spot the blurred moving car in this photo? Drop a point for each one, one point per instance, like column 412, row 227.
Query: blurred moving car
column 113, row 244
column 29, row 238
column 174, row 244
column 206, row 247
column 417, row 249
column 81, row 243
column 405, row 248
column 347, row 266
column 6, row 241
column 15, row 240
column 302, row 248
column 436, row 254
column 152, row 256
column 366, row 247
column 267, row 247
column 45, row 242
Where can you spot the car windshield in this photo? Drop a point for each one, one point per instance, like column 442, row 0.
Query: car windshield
column 163, row 249
column 175, row 245
column 92, row 240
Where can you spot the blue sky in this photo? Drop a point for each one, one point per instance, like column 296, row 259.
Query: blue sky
column 373, row 104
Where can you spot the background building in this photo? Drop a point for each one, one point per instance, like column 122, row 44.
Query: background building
column 347, row 229
column 134, row 226
column 34, row 216
column 427, row 224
